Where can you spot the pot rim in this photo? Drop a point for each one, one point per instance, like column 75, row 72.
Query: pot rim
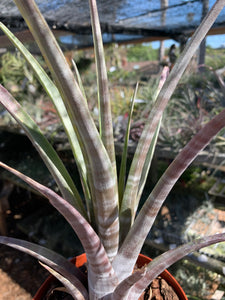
column 81, row 259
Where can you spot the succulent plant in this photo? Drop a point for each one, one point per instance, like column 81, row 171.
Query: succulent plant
column 111, row 231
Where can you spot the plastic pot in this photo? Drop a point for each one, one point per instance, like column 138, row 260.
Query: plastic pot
column 80, row 260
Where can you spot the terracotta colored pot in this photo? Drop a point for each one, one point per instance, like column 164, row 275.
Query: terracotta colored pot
column 142, row 260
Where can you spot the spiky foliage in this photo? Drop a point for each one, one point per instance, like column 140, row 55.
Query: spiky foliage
column 109, row 230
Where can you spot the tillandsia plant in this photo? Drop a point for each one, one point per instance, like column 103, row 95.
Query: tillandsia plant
column 106, row 221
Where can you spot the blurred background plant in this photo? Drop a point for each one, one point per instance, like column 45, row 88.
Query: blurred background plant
column 196, row 99
column 190, row 108
column 19, row 78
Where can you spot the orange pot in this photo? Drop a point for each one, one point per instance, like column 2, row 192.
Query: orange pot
column 141, row 261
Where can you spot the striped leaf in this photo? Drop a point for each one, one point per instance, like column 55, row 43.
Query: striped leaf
column 133, row 286
column 147, row 163
column 54, row 95
column 131, row 246
column 105, row 122
column 51, row 259
column 45, row 149
column 148, row 160
column 101, row 174
column 70, row 288
column 164, row 261
column 127, row 209
column 102, row 278
column 123, row 289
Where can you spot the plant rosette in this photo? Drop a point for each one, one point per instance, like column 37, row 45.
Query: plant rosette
column 169, row 289
column 104, row 217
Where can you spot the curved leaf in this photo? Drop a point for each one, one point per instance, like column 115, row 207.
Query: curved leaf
column 72, row 290
column 51, row 259
column 101, row 175
column 127, row 211
column 103, row 279
column 45, row 149
column 164, row 261
column 131, row 246
column 54, row 94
